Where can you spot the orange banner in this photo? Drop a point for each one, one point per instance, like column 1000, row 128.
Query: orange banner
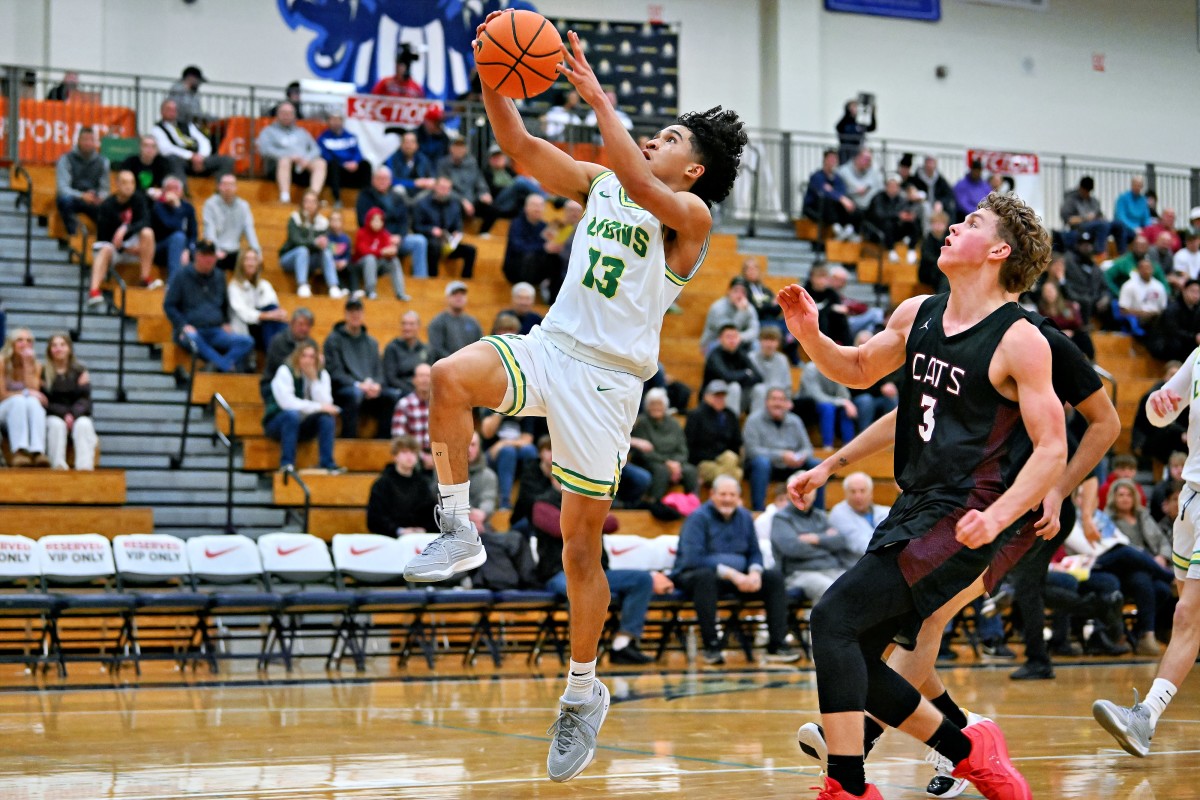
column 237, row 132
column 48, row 128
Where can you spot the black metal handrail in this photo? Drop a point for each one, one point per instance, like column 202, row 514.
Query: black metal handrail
column 293, row 475
column 177, row 459
column 26, row 197
column 115, row 276
column 83, row 256
column 230, row 442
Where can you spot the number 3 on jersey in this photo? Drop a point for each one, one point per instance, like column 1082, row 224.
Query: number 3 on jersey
column 928, row 404
column 613, row 267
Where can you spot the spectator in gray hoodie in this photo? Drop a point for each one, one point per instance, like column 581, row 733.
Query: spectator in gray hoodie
column 807, row 548
column 466, row 176
column 227, row 221
column 777, row 445
column 356, row 370
column 81, row 181
column 453, row 329
column 290, row 151
column 771, row 364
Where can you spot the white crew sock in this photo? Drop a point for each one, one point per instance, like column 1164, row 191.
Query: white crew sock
column 581, row 679
column 455, row 499
column 1159, row 696
column 621, row 641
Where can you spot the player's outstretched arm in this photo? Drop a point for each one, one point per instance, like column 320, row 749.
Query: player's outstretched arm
column 556, row 171
column 854, row 367
column 1164, row 406
column 682, row 212
column 1025, row 360
column 880, row 435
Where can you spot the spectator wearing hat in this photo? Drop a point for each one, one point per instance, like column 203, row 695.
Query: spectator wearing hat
column 971, row 189
column 733, row 309
column 185, row 92
column 438, row 217
column 453, row 329
column 197, row 304
column 401, row 83
column 81, row 181
column 228, row 221
column 507, row 189
column 290, row 152
column 396, row 219
column 714, row 437
column 411, row 170
column 352, row 356
column 186, row 148
column 465, row 175
column 1132, row 210
column 432, row 139
column 339, row 148
column 1081, row 212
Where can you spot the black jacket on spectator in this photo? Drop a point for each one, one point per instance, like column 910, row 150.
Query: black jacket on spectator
column 146, row 175
column 65, row 395
column 710, row 432
column 547, row 527
column 433, row 213
column 533, row 484
column 734, row 367
column 400, row 362
column 134, row 213
column 400, row 502
column 351, row 359
column 833, row 324
column 509, row 563
column 394, row 207
column 166, row 220
column 197, row 300
column 1175, row 335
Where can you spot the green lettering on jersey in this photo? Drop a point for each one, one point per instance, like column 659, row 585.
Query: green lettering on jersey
column 634, row 237
column 641, row 241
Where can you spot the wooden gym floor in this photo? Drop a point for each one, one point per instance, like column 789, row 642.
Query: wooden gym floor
column 481, row 734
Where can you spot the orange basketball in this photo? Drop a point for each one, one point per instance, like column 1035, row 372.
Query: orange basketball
column 517, row 52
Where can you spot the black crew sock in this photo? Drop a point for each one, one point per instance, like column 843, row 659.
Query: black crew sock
column 945, row 704
column 872, row 730
column 950, row 741
column 850, row 772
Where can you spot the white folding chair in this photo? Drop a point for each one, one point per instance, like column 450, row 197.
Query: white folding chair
column 23, row 601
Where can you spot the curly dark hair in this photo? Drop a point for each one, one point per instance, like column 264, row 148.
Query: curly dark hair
column 718, row 138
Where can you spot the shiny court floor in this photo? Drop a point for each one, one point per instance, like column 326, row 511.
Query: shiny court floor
column 482, row 735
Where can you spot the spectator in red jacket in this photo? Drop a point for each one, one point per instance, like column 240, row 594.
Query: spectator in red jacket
column 401, row 84
column 375, row 247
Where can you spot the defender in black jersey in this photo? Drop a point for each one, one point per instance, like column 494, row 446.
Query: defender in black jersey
column 974, row 369
column 1027, row 553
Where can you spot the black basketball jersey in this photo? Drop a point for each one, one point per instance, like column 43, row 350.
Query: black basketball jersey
column 953, row 429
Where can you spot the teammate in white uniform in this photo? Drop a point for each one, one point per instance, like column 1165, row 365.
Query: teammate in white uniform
column 644, row 234
column 1133, row 727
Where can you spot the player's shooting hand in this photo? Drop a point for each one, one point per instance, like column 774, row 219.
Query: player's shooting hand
column 800, row 312
column 1164, row 402
column 976, row 529
column 579, row 72
column 801, row 483
column 1048, row 526
column 484, row 24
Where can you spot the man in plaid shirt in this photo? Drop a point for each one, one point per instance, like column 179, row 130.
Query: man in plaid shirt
column 411, row 417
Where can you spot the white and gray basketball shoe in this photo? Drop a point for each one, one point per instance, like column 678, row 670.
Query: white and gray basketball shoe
column 1131, row 726
column 573, row 735
column 458, row 549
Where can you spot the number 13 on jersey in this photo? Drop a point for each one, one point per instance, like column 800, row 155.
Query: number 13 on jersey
column 607, row 283
column 928, row 404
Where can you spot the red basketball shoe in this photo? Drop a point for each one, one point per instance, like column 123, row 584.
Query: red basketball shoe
column 834, row 791
column 988, row 766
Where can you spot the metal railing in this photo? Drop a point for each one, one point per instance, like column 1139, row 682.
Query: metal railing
column 82, row 256
column 289, row 513
column 230, row 442
column 113, row 275
column 25, row 196
column 187, row 344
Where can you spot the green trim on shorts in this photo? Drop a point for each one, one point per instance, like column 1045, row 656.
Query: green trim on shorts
column 581, row 484
column 515, row 376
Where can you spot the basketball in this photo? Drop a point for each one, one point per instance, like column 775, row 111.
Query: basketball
column 516, row 54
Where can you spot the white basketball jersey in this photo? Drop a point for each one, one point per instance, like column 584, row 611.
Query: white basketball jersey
column 618, row 285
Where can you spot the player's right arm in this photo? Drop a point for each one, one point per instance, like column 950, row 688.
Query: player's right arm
column 556, row 171
column 853, row 367
column 1165, row 405
column 880, row 435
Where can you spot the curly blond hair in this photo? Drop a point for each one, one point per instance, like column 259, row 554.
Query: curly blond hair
column 1021, row 228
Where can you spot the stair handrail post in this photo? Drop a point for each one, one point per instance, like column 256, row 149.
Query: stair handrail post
column 292, row 474
column 26, row 197
column 177, row 459
column 219, row 403
column 116, row 276
column 85, row 269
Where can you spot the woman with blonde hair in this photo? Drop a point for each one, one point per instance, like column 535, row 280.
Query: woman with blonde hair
column 300, row 406
column 69, row 405
column 22, row 404
column 253, row 302
column 308, row 241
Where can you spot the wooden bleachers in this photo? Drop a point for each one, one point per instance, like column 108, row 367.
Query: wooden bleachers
column 37, row 502
column 58, row 487
column 38, row 521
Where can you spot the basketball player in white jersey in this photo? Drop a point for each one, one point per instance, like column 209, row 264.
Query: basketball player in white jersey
column 1133, row 727
column 643, row 235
